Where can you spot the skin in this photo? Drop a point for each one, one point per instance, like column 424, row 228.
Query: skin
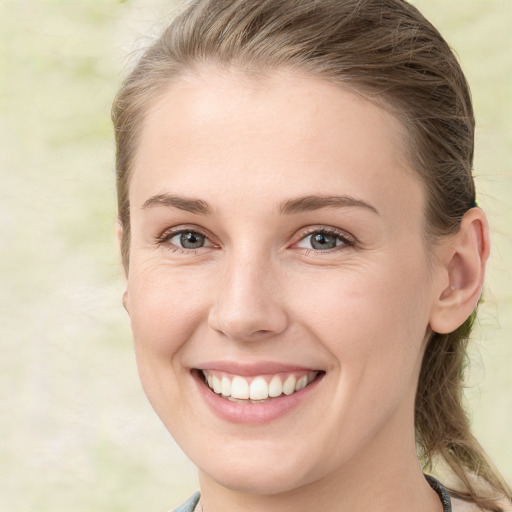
column 257, row 291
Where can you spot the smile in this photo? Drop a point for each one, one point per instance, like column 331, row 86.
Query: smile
column 257, row 389
column 255, row 393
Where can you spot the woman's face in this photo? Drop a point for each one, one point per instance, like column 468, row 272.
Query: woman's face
column 277, row 241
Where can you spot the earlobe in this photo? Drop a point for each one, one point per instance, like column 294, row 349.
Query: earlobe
column 125, row 302
column 462, row 273
column 119, row 238
column 119, row 232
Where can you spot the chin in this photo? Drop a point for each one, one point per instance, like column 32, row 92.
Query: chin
column 257, row 480
column 257, row 472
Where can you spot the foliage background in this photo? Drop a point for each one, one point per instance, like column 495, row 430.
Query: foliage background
column 76, row 432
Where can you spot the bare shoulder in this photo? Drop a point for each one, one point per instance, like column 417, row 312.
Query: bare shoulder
column 465, row 506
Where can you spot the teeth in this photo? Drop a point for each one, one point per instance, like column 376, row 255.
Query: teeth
column 216, row 385
column 225, row 386
column 239, row 388
column 301, row 383
column 258, row 389
column 275, row 387
column 289, row 385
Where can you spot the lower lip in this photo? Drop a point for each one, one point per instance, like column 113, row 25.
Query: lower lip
column 252, row 413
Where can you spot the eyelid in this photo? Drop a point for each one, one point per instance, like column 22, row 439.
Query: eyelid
column 165, row 237
column 207, row 242
column 347, row 238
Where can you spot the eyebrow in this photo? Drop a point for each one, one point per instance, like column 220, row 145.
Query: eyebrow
column 289, row 207
column 313, row 202
column 182, row 203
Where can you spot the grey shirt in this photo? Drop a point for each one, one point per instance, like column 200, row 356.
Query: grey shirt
column 190, row 504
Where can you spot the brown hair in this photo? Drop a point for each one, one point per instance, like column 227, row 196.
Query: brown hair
column 388, row 52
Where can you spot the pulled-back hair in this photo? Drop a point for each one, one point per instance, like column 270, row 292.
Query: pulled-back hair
column 386, row 51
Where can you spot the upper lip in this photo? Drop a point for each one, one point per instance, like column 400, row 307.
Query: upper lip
column 249, row 369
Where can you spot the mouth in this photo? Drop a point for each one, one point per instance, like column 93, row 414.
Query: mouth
column 258, row 393
column 258, row 389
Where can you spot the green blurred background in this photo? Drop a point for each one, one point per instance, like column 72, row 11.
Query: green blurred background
column 76, row 432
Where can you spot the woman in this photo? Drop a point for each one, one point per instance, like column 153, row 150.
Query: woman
column 304, row 254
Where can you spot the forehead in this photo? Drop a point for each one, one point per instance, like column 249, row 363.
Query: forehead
column 223, row 135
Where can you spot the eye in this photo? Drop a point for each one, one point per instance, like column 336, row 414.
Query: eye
column 324, row 240
column 187, row 239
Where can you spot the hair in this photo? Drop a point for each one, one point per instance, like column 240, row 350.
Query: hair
column 386, row 51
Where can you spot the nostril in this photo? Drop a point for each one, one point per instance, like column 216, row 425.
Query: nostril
column 244, row 312
column 246, row 330
column 261, row 332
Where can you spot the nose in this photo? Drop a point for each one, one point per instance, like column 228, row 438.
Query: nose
column 248, row 304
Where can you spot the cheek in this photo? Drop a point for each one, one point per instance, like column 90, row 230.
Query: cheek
column 165, row 307
column 368, row 316
column 363, row 297
column 164, row 314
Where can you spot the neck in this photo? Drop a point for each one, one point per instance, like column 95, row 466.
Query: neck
column 386, row 477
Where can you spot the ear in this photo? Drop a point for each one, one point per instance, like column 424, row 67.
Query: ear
column 462, row 270
column 125, row 301
column 119, row 232
column 119, row 237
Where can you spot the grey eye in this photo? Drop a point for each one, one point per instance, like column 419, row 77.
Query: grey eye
column 323, row 241
column 189, row 240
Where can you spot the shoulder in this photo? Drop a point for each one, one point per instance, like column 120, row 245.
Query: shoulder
column 190, row 504
column 465, row 506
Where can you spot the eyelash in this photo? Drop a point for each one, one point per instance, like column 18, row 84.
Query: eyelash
column 164, row 239
column 345, row 239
